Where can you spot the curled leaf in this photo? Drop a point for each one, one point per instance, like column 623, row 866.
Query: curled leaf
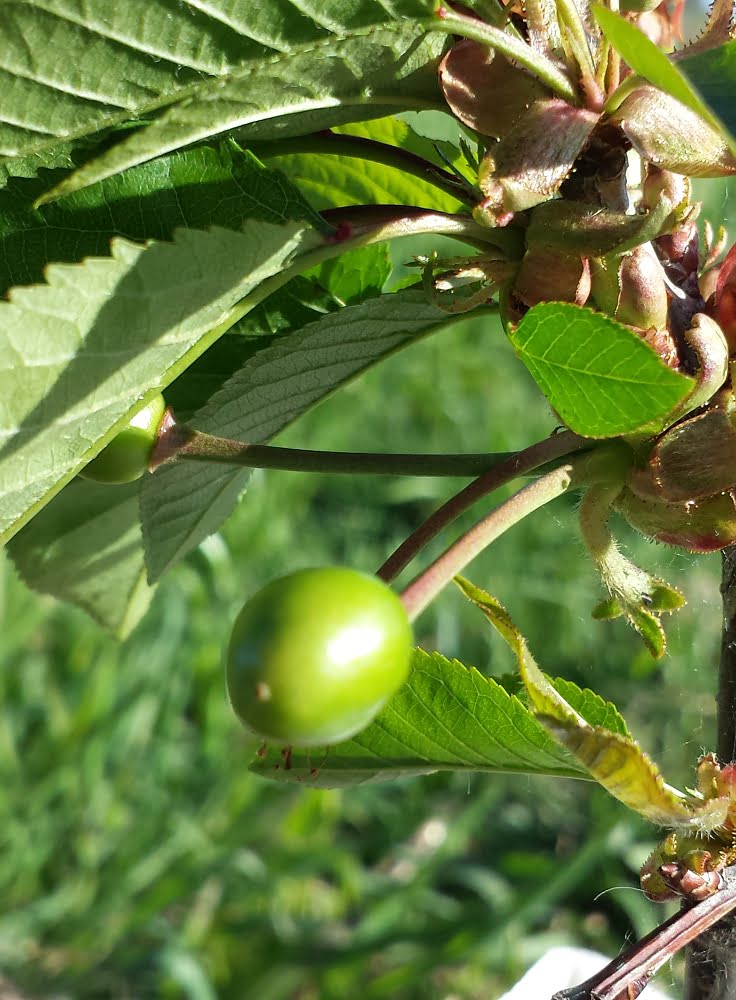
column 614, row 760
column 694, row 148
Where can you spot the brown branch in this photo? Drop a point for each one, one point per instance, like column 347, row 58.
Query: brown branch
column 626, row 976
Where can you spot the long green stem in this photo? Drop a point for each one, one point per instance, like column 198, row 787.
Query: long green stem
column 331, row 144
column 185, row 444
column 508, row 45
column 602, row 465
column 518, row 464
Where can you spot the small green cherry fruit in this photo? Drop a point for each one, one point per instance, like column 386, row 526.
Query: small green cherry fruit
column 315, row 655
column 125, row 458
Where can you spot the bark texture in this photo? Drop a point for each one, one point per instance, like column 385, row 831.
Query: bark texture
column 711, row 960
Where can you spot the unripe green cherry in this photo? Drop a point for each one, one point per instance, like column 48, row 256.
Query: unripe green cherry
column 126, row 457
column 315, row 655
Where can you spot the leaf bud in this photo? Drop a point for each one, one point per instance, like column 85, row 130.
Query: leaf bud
column 707, row 525
column 666, row 132
column 632, row 288
column 546, row 275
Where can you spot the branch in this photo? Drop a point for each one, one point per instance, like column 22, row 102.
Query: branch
column 626, row 976
column 711, row 960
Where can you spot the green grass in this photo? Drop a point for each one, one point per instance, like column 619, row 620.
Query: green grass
column 139, row 858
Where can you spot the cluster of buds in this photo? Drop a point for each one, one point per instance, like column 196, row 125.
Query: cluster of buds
column 689, row 866
column 558, row 173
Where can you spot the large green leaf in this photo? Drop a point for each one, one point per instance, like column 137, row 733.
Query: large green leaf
column 599, row 376
column 332, row 181
column 85, row 547
column 79, row 354
column 195, row 188
column 183, row 503
column 447, row 717
column 713, row 75
column 185, row 72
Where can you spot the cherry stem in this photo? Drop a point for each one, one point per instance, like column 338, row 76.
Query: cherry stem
column 329, row 143
column 604, row 464
column 518, row 464
column 508, row 45
column 181, row 443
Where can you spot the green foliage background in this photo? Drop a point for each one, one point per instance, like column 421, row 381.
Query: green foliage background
column 138, row 856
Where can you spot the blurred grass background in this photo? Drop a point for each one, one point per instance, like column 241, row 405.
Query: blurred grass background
column 138, row 856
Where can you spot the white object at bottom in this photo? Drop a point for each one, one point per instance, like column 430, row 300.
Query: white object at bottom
column 563, row 967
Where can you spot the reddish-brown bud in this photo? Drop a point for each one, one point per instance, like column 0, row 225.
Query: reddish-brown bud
column 705, row 526
column 528, row 166
column 484, row 90
column 722, row 304
column 547, row 274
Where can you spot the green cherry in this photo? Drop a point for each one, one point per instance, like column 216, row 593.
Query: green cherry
column 315, row 655
column 125, row 458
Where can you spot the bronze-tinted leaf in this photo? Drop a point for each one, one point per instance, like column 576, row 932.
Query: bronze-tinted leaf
column 528, row 166
column 484, row 90
column 631, row 776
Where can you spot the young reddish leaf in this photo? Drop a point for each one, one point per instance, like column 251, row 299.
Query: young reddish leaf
column 484, row 90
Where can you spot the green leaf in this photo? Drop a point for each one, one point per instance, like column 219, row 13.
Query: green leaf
column 713, row 75
column 82, row 352
column 85, row 547
column 299, row 302
column 187, row 73
column 599, row 376
column 197, row 188
column 60, row 156
column 648, row 60
column 333, row 181
column 357, row 274
column 182, row 504
column 613, row 759
column 447, row 717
